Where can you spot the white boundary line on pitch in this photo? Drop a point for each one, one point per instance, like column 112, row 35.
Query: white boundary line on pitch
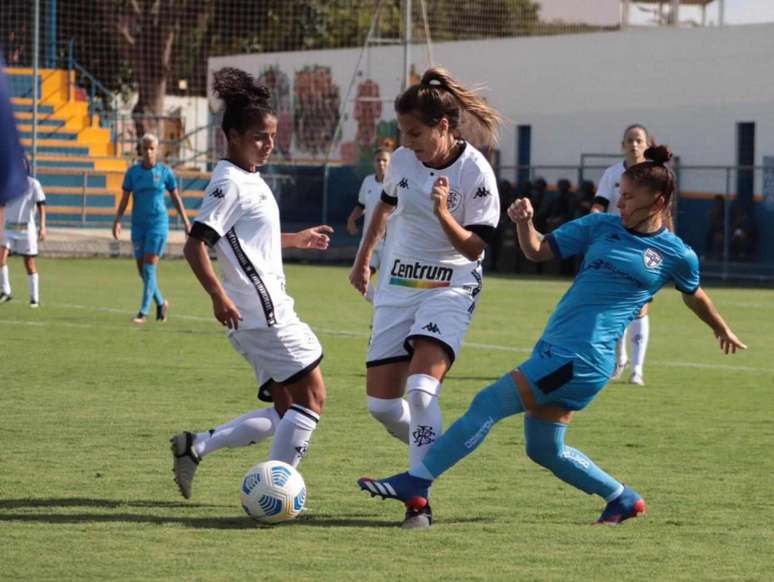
column 331, row 332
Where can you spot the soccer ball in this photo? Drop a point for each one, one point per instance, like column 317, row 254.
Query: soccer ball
column 273, row 492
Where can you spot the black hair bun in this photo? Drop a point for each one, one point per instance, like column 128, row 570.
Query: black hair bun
column 659, row 154
column 237, row 88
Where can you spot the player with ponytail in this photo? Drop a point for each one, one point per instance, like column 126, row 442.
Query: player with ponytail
column 636, row 140
column 626, row 261
column 442, row 194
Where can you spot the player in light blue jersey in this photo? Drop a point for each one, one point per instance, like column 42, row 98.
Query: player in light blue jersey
column 146, row 182
column 627, row 260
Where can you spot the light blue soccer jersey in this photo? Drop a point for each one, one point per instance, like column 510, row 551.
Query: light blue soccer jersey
column 621, row 271
column 147, row 187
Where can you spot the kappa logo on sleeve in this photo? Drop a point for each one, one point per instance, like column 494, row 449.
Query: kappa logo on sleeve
column 482, row 193
column 218, row 193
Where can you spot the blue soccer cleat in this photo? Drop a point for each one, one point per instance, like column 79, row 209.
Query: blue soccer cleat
column 627, row 505
column 412, row 491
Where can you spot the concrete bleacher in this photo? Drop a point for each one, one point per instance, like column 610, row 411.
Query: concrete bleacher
column 77, row 162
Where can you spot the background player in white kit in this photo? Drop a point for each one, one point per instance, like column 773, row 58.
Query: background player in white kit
column 446, row 205
column 367, row 199
column 239, row 218
column 636, row 140
column 21, row 237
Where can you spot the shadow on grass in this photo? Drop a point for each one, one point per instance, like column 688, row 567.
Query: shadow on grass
column 35, row 503
column 222, row 523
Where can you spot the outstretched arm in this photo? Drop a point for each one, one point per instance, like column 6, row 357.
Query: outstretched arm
column 701, row 304
column 310, row 238
column 534, row 246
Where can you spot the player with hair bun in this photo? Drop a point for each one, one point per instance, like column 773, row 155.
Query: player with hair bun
column 239, row 219
column 626, row 261
column 442, row 194
column 636, row 139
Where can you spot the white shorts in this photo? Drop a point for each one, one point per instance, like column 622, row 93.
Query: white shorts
column 281, row 354
column 22, row 242
column 439, row 315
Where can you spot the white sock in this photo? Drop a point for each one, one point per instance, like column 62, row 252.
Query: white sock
column 394, row 414
column 5, row 282
column 639, row 334
column 425, row 425
column 620, row 350
column 248, row 429
column 32, row 283
column 291, row 439
column 370, row 292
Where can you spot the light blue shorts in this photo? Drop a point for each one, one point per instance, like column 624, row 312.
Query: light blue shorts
column 149, row 240
column 560, row 377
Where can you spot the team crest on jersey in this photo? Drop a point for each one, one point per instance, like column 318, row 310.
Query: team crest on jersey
column 652, row 258
column 453, row 201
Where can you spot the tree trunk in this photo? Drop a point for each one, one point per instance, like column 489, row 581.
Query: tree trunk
column 147, row 29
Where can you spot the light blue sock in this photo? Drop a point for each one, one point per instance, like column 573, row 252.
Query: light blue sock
column 158, row 298
column 545, row 446
column 149, row 288
column 492, row 404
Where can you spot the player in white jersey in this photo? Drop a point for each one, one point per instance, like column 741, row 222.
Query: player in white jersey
column 239, row 219
column 444, row 196
column 636, row 140
column 21, row 236
column 367, row 199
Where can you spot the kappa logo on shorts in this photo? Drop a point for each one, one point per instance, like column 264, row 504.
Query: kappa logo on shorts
column 652, row 258
column 217, row 193
column 432, row 328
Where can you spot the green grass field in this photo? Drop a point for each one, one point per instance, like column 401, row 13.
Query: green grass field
column 87, row 404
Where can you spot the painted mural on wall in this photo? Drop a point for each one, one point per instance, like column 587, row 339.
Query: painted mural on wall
column 279, row 85
column 316, row 103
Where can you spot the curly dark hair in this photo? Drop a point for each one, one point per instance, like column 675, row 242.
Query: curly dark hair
column 247, row 101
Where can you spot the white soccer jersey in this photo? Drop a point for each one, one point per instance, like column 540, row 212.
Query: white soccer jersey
column 20, row 212
column 609, row 187
column 421, row 255
column 244, row 228
column 368, row 197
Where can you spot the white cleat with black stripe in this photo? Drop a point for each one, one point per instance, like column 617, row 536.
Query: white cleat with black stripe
column 185, row 461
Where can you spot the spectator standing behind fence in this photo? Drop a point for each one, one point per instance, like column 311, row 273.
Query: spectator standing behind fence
column 505, row 189
column 584, row 199
column 744, row 234
column 146, row 182
column 636, row 140
column 715, row 241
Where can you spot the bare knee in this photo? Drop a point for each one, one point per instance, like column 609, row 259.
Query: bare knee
column 309, row 392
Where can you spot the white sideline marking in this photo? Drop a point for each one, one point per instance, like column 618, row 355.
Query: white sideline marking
column 331, row 332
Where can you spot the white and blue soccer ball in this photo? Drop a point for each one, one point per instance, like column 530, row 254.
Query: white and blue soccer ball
column 273, row 492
